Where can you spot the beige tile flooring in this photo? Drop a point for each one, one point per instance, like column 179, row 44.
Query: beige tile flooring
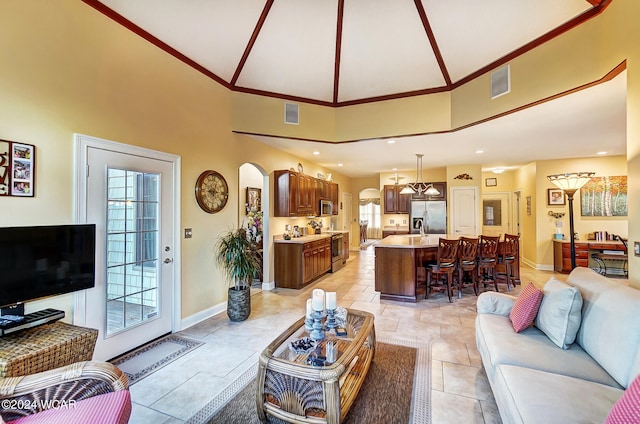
column 460, row 390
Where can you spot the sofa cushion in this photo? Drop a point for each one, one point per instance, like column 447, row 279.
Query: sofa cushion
column 525, row 395
column 108, row 408
column 627, row 409
column 499, row 344
column 560, row 312
column 610, row 323
column 526, row 307
column 491, row 302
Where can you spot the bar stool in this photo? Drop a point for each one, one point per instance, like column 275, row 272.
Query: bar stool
column 467, row 261
column 487, row 259
column 509, row 251
column 440, row 275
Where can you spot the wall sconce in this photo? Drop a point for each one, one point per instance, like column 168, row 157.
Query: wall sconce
column 556, row 215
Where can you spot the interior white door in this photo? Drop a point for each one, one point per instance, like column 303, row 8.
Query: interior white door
column 464, row 210
column 495, row 214
column 130, row 199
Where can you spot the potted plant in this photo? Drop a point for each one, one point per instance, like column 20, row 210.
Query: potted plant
column 236, row 257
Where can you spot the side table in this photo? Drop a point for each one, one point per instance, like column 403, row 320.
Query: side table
column 45, row 347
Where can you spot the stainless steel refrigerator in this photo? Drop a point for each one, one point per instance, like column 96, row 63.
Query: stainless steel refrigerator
column 432, row 214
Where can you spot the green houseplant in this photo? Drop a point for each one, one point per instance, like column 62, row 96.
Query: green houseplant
column 236, row 257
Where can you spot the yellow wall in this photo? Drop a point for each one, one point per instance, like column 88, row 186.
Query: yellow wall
column 66, row 68
column 602, row 166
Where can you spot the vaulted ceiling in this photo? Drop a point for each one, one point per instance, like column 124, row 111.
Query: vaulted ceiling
column 342, row 52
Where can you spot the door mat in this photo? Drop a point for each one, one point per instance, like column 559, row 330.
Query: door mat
column 149, row 358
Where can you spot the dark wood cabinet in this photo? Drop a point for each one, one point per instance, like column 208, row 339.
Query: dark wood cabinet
column 562, row 256
column 297, row 264
column 333, row 196
column 345, row 247
column 394, row 201
column 297, row 194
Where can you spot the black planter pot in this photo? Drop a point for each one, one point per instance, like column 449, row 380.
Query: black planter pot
column 239, row 304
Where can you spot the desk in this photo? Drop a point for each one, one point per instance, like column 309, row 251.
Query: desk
column 585, row 250
column 45, row 347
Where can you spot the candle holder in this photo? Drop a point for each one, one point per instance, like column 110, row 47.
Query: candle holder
column 308, row 322
column 317, row 332
column 331, row 319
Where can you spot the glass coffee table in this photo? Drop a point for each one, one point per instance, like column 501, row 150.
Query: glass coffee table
column 294, row 388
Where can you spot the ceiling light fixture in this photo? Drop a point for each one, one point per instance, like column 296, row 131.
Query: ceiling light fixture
column 601, row 153
column 498, row 170
column 479, row 152
column 340, row 164
column 316, row 153
column 391, row 141
column 420, row 186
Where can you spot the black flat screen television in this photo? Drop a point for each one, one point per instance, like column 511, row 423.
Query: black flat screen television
column 43, row 261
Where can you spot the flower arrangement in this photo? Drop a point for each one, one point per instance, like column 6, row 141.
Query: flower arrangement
column 254, row 227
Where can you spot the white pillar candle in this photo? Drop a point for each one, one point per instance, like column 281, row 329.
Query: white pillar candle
column 331, row 300
column 309, row 308
column 318, row 300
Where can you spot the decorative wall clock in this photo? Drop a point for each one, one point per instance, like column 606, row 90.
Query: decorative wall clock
column 212, row 191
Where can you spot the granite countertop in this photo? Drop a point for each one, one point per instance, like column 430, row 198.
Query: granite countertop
column 301, row 239
column 410, row 241
column 413, row 241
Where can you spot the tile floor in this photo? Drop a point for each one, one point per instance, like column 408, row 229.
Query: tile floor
column 460, row 389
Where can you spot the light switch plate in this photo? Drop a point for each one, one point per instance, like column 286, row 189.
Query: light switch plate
column 188, row 233
column 392, row 221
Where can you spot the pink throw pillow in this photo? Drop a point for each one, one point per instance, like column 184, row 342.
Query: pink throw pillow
column 526, row 308
column 627, row 409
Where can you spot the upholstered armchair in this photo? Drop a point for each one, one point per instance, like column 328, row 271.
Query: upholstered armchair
column 83, row 392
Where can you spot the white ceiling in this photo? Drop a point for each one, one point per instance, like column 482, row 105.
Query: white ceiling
column 308, row 50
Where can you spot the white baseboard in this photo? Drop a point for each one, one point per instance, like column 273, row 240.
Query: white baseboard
column 269, row 286
column 202, row 315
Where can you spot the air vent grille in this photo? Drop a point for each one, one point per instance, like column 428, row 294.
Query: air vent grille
column 291, row 115
column 500, row 82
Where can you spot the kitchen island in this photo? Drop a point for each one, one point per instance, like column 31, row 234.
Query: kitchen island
column 399, row 265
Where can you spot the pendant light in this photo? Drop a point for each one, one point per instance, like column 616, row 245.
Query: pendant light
column 420, row 187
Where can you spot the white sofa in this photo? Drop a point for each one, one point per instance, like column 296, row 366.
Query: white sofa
column 536, row 381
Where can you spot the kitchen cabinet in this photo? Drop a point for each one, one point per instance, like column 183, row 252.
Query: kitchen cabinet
column 333, row 196
column 297, row 264
column 562, row 255
column 345, row 247
column 298, row 194
column 394, row 201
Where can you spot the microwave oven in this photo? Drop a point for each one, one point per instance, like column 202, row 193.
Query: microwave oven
column 326, row 208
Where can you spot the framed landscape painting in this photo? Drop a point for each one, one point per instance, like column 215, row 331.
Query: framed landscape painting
column 604, row 196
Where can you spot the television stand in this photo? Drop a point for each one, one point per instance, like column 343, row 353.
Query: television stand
column 34, row 319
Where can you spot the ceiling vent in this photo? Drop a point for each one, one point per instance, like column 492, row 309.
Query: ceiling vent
column 500, row 82
column 291, row 114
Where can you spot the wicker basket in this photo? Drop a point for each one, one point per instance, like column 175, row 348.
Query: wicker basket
column 45, row 347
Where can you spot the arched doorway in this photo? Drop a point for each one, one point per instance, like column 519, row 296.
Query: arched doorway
column 370, row 216
column 253, row 201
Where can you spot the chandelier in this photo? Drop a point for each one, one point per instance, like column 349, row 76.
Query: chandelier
column 420, row 187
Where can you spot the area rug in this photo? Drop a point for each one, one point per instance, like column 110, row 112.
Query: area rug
column 149, row 358
column 396, row 389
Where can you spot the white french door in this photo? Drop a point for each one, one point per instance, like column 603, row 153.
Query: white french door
column 130, row 198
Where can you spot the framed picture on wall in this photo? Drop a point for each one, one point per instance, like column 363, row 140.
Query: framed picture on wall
column 22, row 161
column 253, row 199
column 528, row 198
column 491, row 182
column 555, row 197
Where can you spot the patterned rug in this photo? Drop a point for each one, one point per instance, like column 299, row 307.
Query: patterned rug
column 149, row 358
column 385, row 382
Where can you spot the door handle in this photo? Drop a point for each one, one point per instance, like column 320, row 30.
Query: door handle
column 168, row 261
